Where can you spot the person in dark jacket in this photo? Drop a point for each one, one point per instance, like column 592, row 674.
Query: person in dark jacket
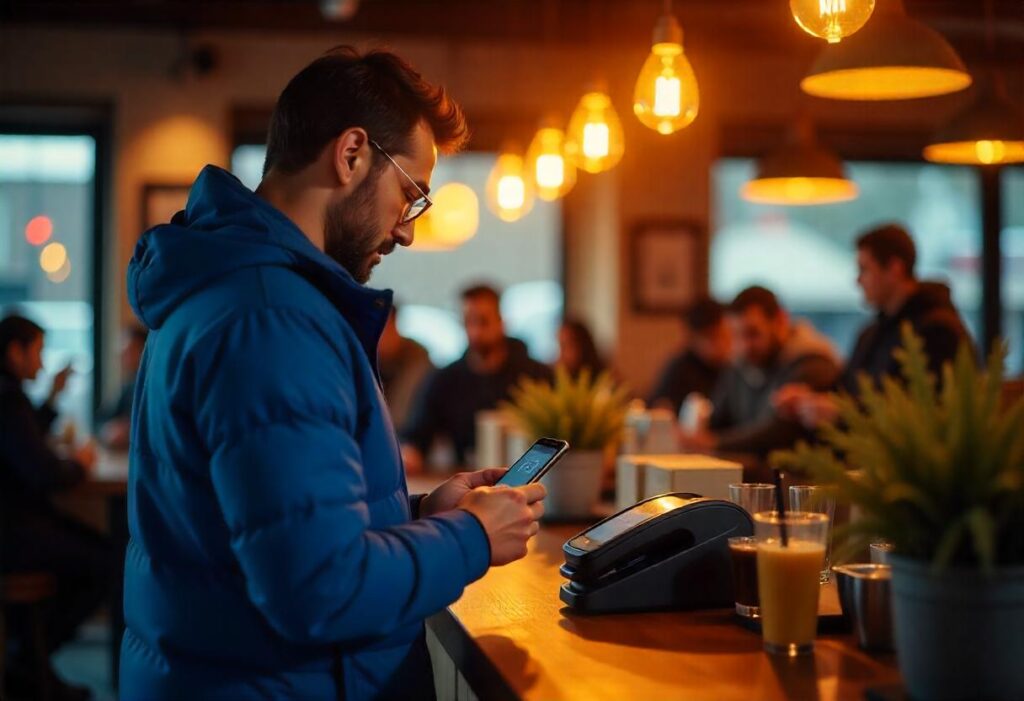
column 577, row 350
column 34, row 537
column 772, row 351
column 697, row 368
column 886, row 257
column 404, row 366
column 491, row 366
column 275, row 552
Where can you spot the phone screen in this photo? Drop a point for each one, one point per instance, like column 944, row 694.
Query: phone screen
column 526, row 468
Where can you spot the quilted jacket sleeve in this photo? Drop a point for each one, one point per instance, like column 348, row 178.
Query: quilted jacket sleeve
column 276, row 409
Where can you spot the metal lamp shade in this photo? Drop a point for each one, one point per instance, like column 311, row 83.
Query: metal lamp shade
column 892, row 58
column 800, row 174
column 989, row 131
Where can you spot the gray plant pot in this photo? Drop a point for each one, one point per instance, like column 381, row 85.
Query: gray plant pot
column 959, row 634
column 574, row 485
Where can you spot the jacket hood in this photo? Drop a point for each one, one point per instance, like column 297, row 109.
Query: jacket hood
column 928, row 297
column 225, row 227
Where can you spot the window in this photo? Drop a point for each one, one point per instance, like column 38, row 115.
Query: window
column 522, row 258
column 1013, row 266
column 806, row 254
column 47, row 194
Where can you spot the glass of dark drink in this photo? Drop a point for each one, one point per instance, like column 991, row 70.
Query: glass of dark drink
column 744, row 575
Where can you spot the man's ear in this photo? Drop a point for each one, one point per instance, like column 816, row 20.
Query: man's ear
column 351, row 155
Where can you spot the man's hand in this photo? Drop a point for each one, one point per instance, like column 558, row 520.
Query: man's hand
column 788, row 399
column 819, row 408
column 509, row 517
column 85, row 455
column 60, row 381
column 696, row 441
column 448, row 495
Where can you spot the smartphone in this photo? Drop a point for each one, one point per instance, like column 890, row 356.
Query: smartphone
column 534, row 463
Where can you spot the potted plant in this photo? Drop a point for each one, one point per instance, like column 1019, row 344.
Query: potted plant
column 588, row 412
column 940, row 475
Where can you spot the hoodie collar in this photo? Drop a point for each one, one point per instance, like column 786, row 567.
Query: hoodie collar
column 226, row 226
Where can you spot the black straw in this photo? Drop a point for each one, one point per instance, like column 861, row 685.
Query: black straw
column 780, row 506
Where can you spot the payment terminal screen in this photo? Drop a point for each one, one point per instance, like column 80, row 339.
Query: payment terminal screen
column 621, row 523
column 523, row 470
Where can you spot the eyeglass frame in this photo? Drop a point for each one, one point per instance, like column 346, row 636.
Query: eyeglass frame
column 428, row 203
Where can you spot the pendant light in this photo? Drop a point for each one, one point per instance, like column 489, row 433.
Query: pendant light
column 552, row 172
column 510, row 192
column 801, row 172
column 666, row 97
column 594, row 140
column 990, row 131
column 831, row 19
column 451, row 221
column 893, row 58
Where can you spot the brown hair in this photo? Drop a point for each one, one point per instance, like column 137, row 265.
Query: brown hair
column 756, row 296
column 890, row 242
column 703, row 315
column 378, row 91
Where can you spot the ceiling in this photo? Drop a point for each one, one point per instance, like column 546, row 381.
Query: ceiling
column 759, row 24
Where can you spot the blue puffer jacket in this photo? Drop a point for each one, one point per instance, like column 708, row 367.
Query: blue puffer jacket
column 272, row 551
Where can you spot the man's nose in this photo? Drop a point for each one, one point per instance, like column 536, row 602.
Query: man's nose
column 404, row 233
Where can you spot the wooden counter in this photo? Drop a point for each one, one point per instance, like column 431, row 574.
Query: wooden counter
column 510, row 637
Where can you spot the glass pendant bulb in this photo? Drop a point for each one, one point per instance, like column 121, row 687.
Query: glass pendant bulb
column 594, row 140
column 831, row 19
column 553, row 173
column 666, row 97
column 452, row 220
column 510, row 191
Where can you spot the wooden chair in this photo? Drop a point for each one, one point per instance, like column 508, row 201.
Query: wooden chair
column 30, row 590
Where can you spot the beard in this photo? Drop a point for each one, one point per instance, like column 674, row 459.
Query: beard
column 351, row 234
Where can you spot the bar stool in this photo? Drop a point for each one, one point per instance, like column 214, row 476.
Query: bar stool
column 30, row 590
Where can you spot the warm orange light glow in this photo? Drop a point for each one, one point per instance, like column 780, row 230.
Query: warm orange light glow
column 831, row 19
column 983, row 152
column 666, row 97
column 53, row 257
column 550, row 169
column 39, row 230
column 509, row 190
column 885, row 83
column 452, row 220
column 799, row 191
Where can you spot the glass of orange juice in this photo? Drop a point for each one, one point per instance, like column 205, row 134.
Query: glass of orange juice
column 790, row 556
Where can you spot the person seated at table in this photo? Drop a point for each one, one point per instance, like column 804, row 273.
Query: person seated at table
column 33, row 536
column 450, row 399
column 576, row 349
column 404, row 365
column 886, row 257
column 116, row 420
column 699, row 364
column 772, row 351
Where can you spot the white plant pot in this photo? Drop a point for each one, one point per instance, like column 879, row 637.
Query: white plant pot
column 574, row 485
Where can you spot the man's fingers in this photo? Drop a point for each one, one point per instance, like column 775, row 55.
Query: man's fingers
column 486, row 478
column 533, row 492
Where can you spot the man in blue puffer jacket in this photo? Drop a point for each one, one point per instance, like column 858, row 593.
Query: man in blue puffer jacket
column 275, row 552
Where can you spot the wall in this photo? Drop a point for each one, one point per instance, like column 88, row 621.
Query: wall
column 166, row 128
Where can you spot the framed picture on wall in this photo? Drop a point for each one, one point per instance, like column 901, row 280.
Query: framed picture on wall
column 161, row 201
column 667, row 267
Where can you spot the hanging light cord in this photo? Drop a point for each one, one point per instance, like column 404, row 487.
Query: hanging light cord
column 990, row 29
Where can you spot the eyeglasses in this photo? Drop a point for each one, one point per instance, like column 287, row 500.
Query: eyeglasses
column 413, row 208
